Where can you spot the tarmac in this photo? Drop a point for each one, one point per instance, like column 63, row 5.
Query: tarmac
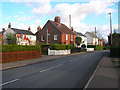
column 105, row 76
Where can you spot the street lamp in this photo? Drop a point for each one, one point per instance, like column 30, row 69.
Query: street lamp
column 110, row 26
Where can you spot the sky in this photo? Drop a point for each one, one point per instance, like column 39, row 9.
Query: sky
column 85, row 14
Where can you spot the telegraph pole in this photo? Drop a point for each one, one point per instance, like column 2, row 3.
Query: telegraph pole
column 110, row 27
column 95, row 38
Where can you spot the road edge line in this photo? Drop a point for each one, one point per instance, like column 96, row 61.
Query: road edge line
column 94, row 73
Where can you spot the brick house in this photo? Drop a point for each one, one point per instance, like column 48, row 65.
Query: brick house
column 54, row 32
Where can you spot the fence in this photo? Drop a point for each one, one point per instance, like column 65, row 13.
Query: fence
column 21, row 55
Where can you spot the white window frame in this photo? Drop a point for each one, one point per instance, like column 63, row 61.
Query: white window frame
column 71, row 38
column 66, row 37
column 42, row 38
column 55, row 36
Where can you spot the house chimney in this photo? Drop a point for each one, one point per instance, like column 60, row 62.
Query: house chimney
column 9, row 26
column 29, row 28
column 57, row 19
column 38, row 28
column 72, row 29
column 70, row 22
column 3, row 30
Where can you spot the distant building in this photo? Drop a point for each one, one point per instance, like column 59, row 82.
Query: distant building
column 92, row 39
column 84, row 38
column 54, row 32
column 24, row 37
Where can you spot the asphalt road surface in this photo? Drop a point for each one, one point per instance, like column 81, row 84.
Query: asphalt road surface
column 67, row 72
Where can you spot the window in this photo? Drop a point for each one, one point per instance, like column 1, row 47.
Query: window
column 55, row 36
column 71, row 38
column 42, row 38
column 66, row 37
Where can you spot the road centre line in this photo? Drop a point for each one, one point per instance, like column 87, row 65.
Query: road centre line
column 9, row 82
column 51, row 68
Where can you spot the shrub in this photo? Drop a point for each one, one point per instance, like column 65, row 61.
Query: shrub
column 90, row 46
column 15, row 48
column 99, row 47
column 83, row 46
column 59, row 47
column 115, row 51
column 107, row 47
column 68, row 47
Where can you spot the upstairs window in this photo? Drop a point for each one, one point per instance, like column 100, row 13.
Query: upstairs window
column 42, row 38
column 55, row 36
column 71, row 38
column 66, row 37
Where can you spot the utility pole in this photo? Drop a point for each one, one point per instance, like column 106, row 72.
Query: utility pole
column 110, row 27
column 95, row 38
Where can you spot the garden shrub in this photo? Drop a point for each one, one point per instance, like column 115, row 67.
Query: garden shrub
column 90, row 46
column 99, row 47
column 115, row 51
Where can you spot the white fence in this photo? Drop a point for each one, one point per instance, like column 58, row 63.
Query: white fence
column 90, row 49
column 58, row 52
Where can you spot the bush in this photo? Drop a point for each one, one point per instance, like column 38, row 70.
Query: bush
column 59, row 47
column 83, row 46
column 90, row 46
column 15, row 48
column 115, row 51
column 45, row 48
column 99, row 47
column 107, row 47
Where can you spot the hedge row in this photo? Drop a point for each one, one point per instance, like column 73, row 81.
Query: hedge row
column 115, row 51
column 90, row 46
column 15, row 48
column 59, row 47
column 76, row 49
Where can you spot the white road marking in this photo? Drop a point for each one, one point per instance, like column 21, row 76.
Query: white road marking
column 51, row 68
column 9, row 82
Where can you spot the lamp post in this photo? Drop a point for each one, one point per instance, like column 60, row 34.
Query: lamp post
column 110, row 27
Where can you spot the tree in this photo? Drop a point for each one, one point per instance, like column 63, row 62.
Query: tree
column 83, row 46
column 78, row 40
column 11, row 38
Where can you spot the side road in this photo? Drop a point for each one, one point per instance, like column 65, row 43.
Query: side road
column 44, row 58
column 105, row 75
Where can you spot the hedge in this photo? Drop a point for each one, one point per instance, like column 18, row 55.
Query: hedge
column 77, row 49
column 59, row 47
column 99, row 47
column 15, row 48
column 115, row 51
column 90, row 46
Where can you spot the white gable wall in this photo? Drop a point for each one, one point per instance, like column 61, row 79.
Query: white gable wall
column 89, row 38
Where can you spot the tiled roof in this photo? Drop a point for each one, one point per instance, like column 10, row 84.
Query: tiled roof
column 92, row 34
column 78, row 33
column 21, row 31
column 63, row 28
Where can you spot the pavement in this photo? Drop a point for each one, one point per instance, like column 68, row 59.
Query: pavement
column 105, row 75
column 16, row 64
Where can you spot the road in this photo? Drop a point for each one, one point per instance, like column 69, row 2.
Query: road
column 72, row 71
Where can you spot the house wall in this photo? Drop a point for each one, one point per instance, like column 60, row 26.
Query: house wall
column 95, row 40
column 89, row 39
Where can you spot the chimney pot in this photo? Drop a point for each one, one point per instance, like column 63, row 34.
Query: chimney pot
column 9, row 26
column 38, row 28
column 57, row 19
column 29, row 28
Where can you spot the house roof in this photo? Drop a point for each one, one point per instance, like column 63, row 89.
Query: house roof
column 92, row 34
column 78, row 33
column 62, row 28
column 21, row 31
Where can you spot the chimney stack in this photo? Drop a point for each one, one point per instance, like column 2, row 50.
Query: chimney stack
column 29, row 28
column 72, row 29
column 57, row 19
column 3, row 30
column 38, row 28
column 9, row 26
column 70, row 21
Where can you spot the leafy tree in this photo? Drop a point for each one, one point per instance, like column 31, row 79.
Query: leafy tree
column 78, row 40
column 11, row 38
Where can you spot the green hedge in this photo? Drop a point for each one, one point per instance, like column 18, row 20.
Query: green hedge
column 77, row 49
column 59, row 47
column 115, row 51
column 107, row 47
column 15, row 48
column 90, row 46
column 99, row 47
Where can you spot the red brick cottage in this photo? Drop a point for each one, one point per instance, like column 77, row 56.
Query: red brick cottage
column 55, row 32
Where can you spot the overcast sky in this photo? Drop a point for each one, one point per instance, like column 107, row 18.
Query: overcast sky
column 85, row 14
